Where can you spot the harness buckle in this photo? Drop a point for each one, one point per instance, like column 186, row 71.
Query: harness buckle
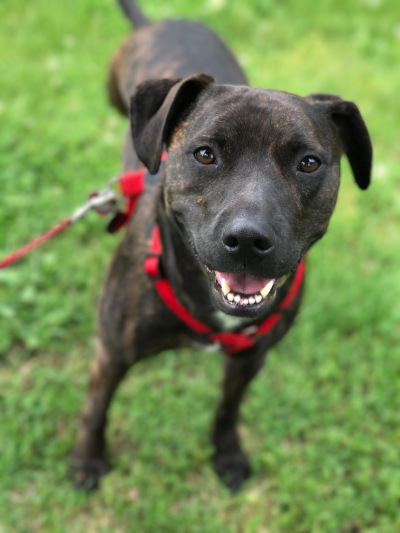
column 250, row 330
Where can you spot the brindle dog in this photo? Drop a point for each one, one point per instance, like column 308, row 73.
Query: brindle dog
column 249, row 185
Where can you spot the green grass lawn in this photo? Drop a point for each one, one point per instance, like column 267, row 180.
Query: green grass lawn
column 322, row 421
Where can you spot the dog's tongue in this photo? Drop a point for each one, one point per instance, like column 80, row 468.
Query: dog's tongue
column 242, row 283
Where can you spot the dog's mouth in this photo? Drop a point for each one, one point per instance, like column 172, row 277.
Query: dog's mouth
column 243, row 292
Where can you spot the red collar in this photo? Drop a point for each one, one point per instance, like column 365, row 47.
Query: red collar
column 232, row 342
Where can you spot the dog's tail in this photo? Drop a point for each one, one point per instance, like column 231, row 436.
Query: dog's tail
column 133, row 13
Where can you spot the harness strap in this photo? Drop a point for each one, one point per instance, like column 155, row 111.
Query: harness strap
column 132, row 185
column 232, row 342
column 153, row 268
column 167, row 295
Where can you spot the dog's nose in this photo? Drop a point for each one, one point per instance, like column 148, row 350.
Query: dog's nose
column 247, row 240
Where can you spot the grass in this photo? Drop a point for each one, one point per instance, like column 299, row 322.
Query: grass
column 321, row 422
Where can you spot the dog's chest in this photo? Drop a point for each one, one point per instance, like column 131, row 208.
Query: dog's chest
column 230, row 323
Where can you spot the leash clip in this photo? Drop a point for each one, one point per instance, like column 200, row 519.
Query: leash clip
column 103, row 202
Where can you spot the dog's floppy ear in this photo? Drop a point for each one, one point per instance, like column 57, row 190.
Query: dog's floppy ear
column 155, row 106
column 353, row 134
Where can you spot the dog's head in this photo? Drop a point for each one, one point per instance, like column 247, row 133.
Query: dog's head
column 251, row 179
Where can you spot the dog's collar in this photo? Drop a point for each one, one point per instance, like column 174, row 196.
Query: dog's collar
column 231, row 342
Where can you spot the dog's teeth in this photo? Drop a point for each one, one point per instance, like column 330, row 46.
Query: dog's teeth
column 242, row 300
column 225, row 287
column 267, row 289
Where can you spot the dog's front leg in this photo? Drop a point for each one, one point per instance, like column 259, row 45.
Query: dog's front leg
column 230, row 462
column 88, row 462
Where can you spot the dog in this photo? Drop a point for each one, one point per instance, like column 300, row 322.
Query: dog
column 248, row 186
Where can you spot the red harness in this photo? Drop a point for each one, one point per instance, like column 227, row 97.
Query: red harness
column 132, row 184
column 232, row 342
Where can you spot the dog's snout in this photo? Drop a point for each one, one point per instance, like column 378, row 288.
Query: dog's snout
column 248, row 240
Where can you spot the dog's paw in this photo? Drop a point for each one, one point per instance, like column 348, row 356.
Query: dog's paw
column 232, row 468
column 86, row 473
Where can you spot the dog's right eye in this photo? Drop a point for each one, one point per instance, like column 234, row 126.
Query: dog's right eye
column 309, row 164
column 205, row 156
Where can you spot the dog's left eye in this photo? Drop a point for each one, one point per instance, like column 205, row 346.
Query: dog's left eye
column 205, row 156
column 309, row 164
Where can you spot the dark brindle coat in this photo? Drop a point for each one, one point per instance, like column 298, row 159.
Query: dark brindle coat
column 249, row 185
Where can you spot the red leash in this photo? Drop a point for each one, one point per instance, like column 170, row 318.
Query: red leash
column 131, row 184
column 25, row 249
